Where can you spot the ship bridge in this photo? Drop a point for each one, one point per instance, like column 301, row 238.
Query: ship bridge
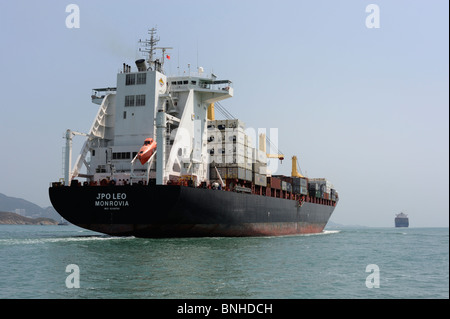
column 99, row 94
column 213, row 90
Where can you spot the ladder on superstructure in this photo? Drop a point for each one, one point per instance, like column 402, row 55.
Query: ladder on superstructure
column 97, row 131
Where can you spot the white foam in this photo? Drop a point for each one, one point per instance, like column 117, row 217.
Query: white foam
column 324, row 232
column 327, row 232
column 28, row 241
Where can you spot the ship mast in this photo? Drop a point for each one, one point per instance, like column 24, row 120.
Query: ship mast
column 149, row 47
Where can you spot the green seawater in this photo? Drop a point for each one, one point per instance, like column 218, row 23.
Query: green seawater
column 380, row 263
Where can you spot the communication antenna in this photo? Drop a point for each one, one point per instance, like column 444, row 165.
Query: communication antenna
column 149, row 47
column 178, row 59
column 197, row 54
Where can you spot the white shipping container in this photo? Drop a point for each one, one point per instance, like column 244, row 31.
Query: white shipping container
column 322, row 181
column 229, row 159
column 221, row 124
column 235, row 135
column 214, row 136
column 210, row 150
column 229, row 149
column 235, row 123
column 234, row 159
column 250, row 155
column 263, row 180
column 260, row 180
column 263, row 170
column 234, row 149
column 239, row 149
column 217, row 159
column 249, row 152
column 216, row 149
column 248, row 175
column 227, row 135
column 241, row 173
column 212, row 129
column 249, row 140
column 260, row 156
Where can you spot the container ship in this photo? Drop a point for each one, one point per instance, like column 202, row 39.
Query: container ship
column 401, row 220
column 157, row 163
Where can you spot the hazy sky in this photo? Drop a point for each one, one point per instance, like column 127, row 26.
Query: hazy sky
column 367, row 108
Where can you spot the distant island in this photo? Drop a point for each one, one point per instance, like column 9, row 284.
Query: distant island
column 36, row 215
column 8, row 218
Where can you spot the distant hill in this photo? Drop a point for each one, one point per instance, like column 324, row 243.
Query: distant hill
column 25, row 208
column 7, row 218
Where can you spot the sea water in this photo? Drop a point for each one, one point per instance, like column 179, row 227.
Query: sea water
column 69, row 262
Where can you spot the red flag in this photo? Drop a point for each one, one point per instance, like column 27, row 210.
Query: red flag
column 168, row 57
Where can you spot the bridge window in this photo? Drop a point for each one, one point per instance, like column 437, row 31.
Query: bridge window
column 129, row 100
column 141, row 78
column 131, row 79
column 121, row 155
column 140, row 100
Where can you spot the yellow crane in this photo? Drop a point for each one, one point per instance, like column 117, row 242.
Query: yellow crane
column 262, row 147
column 294, row 172
column 211, row 113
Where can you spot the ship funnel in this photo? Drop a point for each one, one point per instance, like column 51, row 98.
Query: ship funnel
column 141, row 65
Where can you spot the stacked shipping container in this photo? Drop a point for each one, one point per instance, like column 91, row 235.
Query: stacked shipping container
column 230, row 149
column 322, row 188
column 231, row 152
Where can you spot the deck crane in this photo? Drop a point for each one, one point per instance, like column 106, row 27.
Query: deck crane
column 295, row 172
column 280, row 156
column 68, row 174
column 262, row 147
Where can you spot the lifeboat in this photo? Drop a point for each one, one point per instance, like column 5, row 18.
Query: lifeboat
column 147, row 150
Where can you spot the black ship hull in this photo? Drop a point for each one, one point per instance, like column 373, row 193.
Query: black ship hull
column 401, row 222
column 180, row 211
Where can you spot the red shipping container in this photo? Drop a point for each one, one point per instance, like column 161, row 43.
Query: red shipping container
column 275, row 182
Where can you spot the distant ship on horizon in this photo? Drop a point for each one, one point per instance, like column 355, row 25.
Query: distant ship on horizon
column 401, row 220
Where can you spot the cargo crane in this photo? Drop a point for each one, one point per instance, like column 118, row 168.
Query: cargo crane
column 262, row 147
column 279, row 156
column 295, row 172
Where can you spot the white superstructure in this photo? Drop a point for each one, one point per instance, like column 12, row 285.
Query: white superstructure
column 146, row 103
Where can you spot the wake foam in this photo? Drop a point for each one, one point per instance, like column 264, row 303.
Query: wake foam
column 33, row 241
